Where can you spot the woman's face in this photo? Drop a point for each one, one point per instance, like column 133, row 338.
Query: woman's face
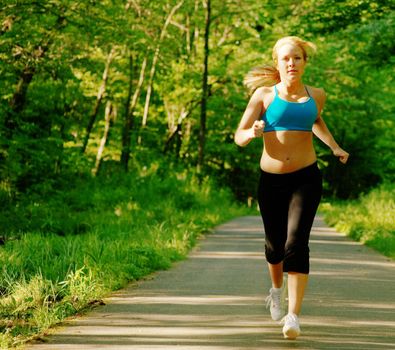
column 290, row 62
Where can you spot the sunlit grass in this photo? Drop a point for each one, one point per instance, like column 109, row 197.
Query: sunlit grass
column 371, row 219
column 94, row 238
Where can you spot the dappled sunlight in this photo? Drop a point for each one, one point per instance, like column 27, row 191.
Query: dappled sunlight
column 374, row 323
column 220, row 331
column 215, row 301
column 321, row 241
column 333, row 322
column 225, row 236
column 347, row 311
column 193, row 300
column 186, row 331
column 171, row 332
column 373, row 306
column 330, row 343
column 228, row 255
column 326, row 232
column 246, row 230
column 353, row 262
column 350, row 276
column 128, row 319
column 325, row 229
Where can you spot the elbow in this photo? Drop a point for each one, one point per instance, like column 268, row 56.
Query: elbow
column 238, row 140
column 241, row 144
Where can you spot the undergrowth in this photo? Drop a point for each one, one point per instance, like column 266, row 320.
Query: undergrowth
column 72, row 248
column 370, row 219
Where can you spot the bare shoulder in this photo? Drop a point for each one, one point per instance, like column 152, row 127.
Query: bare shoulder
column 318, row 94
column 265, row 94
column 263, row 90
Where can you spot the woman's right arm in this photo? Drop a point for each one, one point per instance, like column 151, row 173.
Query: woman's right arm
column 250, row 126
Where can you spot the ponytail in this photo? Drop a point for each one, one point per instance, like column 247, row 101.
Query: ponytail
column 261, row 76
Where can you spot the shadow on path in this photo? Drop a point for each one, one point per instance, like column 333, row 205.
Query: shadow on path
column 214, row 300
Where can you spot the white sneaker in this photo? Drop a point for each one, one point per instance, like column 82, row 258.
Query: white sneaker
column 275, row 300
column 291, row 329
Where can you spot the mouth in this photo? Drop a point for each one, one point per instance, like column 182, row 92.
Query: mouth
column 292, row 71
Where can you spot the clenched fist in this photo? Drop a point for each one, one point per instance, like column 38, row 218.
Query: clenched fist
column 342, row 154
column 257, row 128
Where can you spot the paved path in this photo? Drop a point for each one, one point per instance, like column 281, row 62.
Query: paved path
column 215, row 300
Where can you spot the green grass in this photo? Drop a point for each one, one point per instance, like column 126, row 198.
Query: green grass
column 370, row 219
column 74, row 247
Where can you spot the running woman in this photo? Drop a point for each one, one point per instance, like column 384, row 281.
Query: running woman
column 286, row 113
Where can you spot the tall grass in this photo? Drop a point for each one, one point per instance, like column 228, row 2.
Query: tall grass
column 95, row 237
column 370, row 219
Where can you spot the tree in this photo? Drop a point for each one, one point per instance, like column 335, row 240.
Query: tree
column 203, row 107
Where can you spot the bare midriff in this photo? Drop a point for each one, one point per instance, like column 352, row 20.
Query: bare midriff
column 287, row 151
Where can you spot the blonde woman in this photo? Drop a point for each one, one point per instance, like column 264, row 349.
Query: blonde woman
column 287, row 113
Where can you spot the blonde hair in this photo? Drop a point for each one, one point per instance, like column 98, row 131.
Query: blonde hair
column 268, row 75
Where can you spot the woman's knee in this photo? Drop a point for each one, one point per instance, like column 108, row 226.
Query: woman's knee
column 297, row 258
column 274, row 255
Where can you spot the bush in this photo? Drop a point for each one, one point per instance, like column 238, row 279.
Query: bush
column 73, row 247
column 370, row 219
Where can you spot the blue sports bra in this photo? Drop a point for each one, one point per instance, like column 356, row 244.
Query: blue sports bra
column 286, row 115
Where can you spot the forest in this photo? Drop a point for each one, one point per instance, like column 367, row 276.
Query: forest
column 117, row 123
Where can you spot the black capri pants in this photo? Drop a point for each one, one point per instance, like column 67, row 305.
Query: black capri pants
column 288, row 203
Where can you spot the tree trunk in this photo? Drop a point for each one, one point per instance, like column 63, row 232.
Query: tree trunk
column 18, row 99
column 176, row 133
column 129, row 110
column 203, row 110
column 155, row 60
column 128, row 120
column 195, row 38
column 103, row 141
column 188, row 35
column 99, row 98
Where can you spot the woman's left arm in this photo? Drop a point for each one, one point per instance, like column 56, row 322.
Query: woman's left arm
column 322, row 132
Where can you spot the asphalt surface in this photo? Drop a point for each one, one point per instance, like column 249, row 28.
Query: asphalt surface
column 214, row 300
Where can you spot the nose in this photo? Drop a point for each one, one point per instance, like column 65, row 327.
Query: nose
column 291, row 62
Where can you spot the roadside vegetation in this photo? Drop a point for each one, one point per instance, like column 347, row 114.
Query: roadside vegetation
column 369, row 219
column 95, row 238
column 116, row 135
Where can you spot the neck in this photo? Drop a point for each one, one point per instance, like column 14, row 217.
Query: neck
column 292, row 87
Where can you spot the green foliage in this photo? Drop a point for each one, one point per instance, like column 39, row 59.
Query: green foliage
column 53, row 56
column 360, row 105
column 68, row 234
column 328, row 16
column 78, row 245
column 370, row 219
